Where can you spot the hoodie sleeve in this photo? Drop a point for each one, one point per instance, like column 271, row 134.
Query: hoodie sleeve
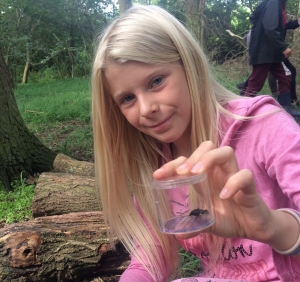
column 136, row 272
column 292, row 24
column 271, row 23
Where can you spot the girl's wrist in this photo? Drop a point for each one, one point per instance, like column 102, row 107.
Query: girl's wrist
column 286, row 238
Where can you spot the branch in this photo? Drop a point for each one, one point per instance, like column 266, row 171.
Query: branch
column 234, row 35
column 237, row 36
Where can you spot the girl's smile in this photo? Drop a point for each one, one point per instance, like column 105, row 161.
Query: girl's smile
column 155, row 98
column 160, row 126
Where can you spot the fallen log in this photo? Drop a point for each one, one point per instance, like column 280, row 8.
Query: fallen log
column 70, row 247
column 62, row 193
column 63, row 163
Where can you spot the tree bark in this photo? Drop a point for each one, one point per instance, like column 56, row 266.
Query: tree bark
column 195, row 19
column 59, row 248
column 20, row 150
column 124, row 5
column 62, row 193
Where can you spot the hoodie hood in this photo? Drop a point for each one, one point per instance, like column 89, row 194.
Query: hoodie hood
column 231, row 127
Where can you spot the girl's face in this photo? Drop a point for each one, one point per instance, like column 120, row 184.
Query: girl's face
column 155, row 99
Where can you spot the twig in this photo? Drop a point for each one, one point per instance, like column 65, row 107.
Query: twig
column 234, row 35
column 35, row 112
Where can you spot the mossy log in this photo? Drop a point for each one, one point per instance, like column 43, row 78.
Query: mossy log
column 69, row 247
column 62, row 193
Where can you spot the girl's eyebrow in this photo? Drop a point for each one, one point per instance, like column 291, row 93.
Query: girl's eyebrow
column 146, row 79
column 120, row 95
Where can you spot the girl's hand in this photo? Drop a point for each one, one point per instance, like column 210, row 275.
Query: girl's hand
column 238, row 209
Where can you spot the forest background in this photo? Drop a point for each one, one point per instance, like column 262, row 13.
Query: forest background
column 55, row 39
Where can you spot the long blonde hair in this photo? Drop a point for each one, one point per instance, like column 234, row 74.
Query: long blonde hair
column 126, row 158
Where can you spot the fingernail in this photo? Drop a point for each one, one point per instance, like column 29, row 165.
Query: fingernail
column 223, row 193
column 182, row 167
column 196, row 167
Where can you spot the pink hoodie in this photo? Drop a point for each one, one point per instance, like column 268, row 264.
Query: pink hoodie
column 270, row 148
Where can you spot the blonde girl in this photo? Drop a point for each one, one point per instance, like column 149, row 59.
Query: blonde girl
column 157, row 111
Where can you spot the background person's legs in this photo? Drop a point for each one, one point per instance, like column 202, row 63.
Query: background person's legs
column 293, row 71
column 273, row 84
column 283, row 77
column 257, row 79
column 242, row 86
column 284, row 97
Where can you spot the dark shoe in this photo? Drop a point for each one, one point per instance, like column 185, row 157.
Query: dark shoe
column 293, row 112
column 284, row 99
column 242, row 87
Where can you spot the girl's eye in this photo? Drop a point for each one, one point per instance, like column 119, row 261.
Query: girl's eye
column 157, row 81
column 127, row 99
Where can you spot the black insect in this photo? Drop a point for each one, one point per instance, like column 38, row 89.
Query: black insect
column 197, row 212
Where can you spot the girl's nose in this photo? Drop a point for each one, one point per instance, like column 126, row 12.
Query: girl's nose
column 148, row 105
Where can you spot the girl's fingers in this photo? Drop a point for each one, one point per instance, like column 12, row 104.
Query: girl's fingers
column 203, row 159
column 169, row 169
column 192, row 163
column 241, row 181
column 223, row 157
column 182, row 165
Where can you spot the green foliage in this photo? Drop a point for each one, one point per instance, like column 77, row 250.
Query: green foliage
column 57, row 34
column 57, row 37
column 191, row 265
column 16, row 205
column 43, row 75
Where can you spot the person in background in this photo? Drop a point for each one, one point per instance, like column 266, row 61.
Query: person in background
column 293, row 24
column 268, row 49
column 158, row 112
column 242, row 86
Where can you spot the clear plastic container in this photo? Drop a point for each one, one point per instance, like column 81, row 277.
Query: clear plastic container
column 183, row 203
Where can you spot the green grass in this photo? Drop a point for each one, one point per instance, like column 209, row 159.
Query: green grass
column 16, row 205
column 191, row 265
column 58, row 113
column 54, row 101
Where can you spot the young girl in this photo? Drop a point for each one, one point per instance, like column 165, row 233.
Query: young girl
column 158, row 112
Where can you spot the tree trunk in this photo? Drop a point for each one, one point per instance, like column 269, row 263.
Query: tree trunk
column 26, row 68
column 62, row 193
column 20, row 150
column 124, row 5
column 61, row 248
column 195, row 18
